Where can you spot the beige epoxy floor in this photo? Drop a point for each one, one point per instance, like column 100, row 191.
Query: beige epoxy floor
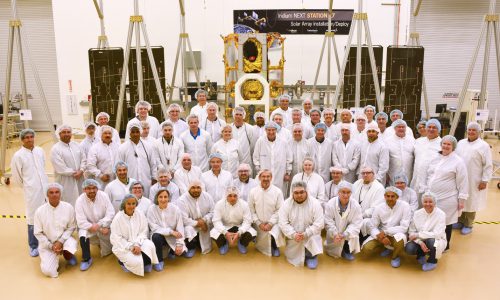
column 470, row 270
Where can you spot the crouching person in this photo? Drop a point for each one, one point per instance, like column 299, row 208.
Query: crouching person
column 427, row 233
column 53, row 226
column 343, row 221
column 232, row 223
column 301, row 221
column 129, row 231
column 389, row 225
column 167, row 228
column 94, row 213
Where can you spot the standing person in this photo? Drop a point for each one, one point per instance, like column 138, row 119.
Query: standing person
column 265, row 201
column 374, row 153
column 328, row 118
column 212, row 123
column 332, row 186
column 28, row 170
column 307, row 105
column 447, row 178
column 53, row 226
column 297, row 116
column 174, row 111
column 102, row 157
column 129, row 237
column 273, row 154
column 143, row 203
column 476, row 155
column 245, row 183
column 427, row 233
column 426, row 150
column 359, row 134
column 90, row 138
column 398, row 115
column 382, row 118
column 200, row 109
column 139, row 157
column 216, row 180
column 142, row 109
column 197, row 142
column 421, row 129
column 94, row 213
column 284, row 109
column 69, row 163
column 283, row 133
column 345, row 120
column 301, row 221
column 230, row 150
column 401, row 151
column 197, row 208
column 119, row 187
column 145, row 136
column 232, row 221
column 322, row 150
column 300, row 148
column 164, row 182
column 244, row 134
column 346, row 154
column 168, row 148
column 369, row 112
column 260, row 120
column 343, row 221
column 315, row 183
column 186, row 174
column 102, row 119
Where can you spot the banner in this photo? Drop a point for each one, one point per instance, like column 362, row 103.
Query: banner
column 294, row 21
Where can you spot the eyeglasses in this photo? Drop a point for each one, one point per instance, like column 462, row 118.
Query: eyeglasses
column 366, row 173
column 299, row 192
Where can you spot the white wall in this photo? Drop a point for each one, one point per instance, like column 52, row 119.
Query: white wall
column 77, row 27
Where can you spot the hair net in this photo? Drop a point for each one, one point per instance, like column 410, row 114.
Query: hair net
column 369, row 106
column 401, row 177
column 101, row 114
column 231, row 190
column 259, row 114
column 53, row 185
column 272, row 124
column 361, row 116
column 119, row 164
column 344, row 185
column 105, row 128
column 398, row 112
column 429, row 195
column 474, row 125
column 239, row 109
column 91, row 182
column 434, row 122
column 142, row 103
column 25, row 132
column 216, row 155
column 284, row 97
column 373, row 126
column 451, row 139
column 381, row 114
column 398, row 122
column 320, row 125
column 393, row 189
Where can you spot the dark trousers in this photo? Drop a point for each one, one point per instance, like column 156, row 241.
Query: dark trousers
column 448, row 235
column 413, row 248
column 145, row 259
column 160, row 241
column 85, row 244
column 273, row 243
column 194, row 243
column 32, row 241
column 346, row 248
column 245, row 238
column 362, row 238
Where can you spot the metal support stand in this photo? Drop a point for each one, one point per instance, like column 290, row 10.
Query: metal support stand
column 102, row 40
column 17, row 35
column 137, row 24
column 181, row 45
column 490, row 25
column 329, row 39
column 360, row 19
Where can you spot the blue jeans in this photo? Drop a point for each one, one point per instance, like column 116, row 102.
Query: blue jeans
column 413, row 248
column 32, row 241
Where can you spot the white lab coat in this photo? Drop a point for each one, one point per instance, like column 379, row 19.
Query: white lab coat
column 141, row 161
column 213, row 127
column 101, row 160
column 199, row 148
column 144, row 204
column 193, row 209
column 389, row 131
column 315, row 186
column 154, row 127
column 232, row 155
column 393, row 221
column 28, row 170
column 322, row 153
column 447, row 178
column 347, row 157
column 172, row 188
column 376, row 156
column 349, row 224
column 246, row 140
column 477, row 158
column 369, row 196
column 300, row 150
column 164, row 222
column 100, row 211
column 54, row 224
column 331, row 132
column 179, row 127
column 306, row 217
column 409, row 196
column 331, row 189
column 66, row 160
column 430, row 226
column 287, row 115
column 258, row 132
column 116, row 190
column 275, row 156
column 227, row 216
column 338, row 128
column 307, row 130
column 182, row 177
column 264, row 206
column 200, row 111
column 284, row 134
column 245, row 187
column 87, row 143
column 425, row 152
column 116, row 136
column 127, row 232
column 169, row 155
column 216, row 185
column 359, row 136
column 401, row 156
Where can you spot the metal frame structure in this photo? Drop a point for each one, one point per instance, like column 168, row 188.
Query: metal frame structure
column 102, row 39
column 329, row 39
column 181, row 45
column 17, row 37
column 361, row 19
column 137, row 23
column 490, row 23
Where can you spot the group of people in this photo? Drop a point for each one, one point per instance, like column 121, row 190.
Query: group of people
column 173, row 188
